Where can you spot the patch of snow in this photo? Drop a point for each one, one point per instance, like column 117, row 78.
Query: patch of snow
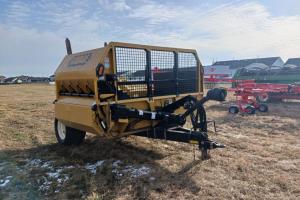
column 133, row 172
column 53, row 174
column 56, row 174
column 3, row 183
column 69, row 167
column 60, row 178
column 47, row 164
column 63, row 178
column 34, row 162
column 66, row 178
column 40, row 163
column 45, row 185
column 117, row 172
column 116, row 163
column 137, row 172
column 93, row 167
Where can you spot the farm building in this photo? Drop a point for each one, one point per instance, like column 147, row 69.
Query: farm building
column 230, row 67
column 293, row 62
column 218, row 71
column 287, row 74
column 2, row 78
column 17, row 79
column 52, row 78
column 25, row 79
column 234, row 65
column 39, row 79
column 238, row 64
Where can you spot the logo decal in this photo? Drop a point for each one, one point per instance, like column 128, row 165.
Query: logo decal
column 78, row 60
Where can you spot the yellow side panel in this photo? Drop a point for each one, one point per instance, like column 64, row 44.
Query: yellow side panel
column 76, row 112
column 79, row 66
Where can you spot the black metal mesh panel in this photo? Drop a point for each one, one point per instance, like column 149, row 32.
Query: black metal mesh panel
column 131, row 64
column 131, row 69
column 162, row 71
column 135, row 79
column 187, row 73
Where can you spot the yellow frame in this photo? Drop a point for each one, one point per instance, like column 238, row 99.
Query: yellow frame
column 76, row 111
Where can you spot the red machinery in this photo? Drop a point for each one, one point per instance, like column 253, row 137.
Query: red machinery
column 270, row 92
column 246, row 102
column 250, row 95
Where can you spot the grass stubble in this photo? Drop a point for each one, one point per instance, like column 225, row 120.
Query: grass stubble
column 261, row 159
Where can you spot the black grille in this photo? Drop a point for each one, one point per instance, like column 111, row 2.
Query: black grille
column 187, row 73
column 131, row 69
column 144, row 73
column 163, row 76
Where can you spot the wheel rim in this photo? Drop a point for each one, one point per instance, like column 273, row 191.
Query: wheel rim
column 61, row 129
column 232, row 110
column 262, row 108
column 250, row 110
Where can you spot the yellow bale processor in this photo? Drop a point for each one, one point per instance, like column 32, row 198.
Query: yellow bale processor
column 128, row 89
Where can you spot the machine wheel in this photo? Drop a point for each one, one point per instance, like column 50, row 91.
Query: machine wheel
column 67, row 135
column 217, row 94
column 233, row 109
column 263, row 98
column 250, row 110
column 224, row 93
column 263, row 108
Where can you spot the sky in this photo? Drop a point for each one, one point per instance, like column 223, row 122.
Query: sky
column 32, row 33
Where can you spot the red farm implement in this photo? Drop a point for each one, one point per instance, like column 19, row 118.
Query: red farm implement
column 251, row 95
column 270, row 92
column 246, row 102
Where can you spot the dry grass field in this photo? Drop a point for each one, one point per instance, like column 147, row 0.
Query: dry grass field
column 261, row 160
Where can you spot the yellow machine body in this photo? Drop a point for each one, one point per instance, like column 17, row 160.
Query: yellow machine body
column 80, row 103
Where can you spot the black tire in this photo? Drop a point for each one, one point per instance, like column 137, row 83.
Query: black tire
column 233, row 109
column 250, row 110
column 72, row 136
column 217, row 94
column 263, row 108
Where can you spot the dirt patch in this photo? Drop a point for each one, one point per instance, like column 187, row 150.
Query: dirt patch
column 261, row 160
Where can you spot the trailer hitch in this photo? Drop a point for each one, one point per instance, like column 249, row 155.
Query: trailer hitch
column 180, row 134
column 205, row 146
column 170, row 126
